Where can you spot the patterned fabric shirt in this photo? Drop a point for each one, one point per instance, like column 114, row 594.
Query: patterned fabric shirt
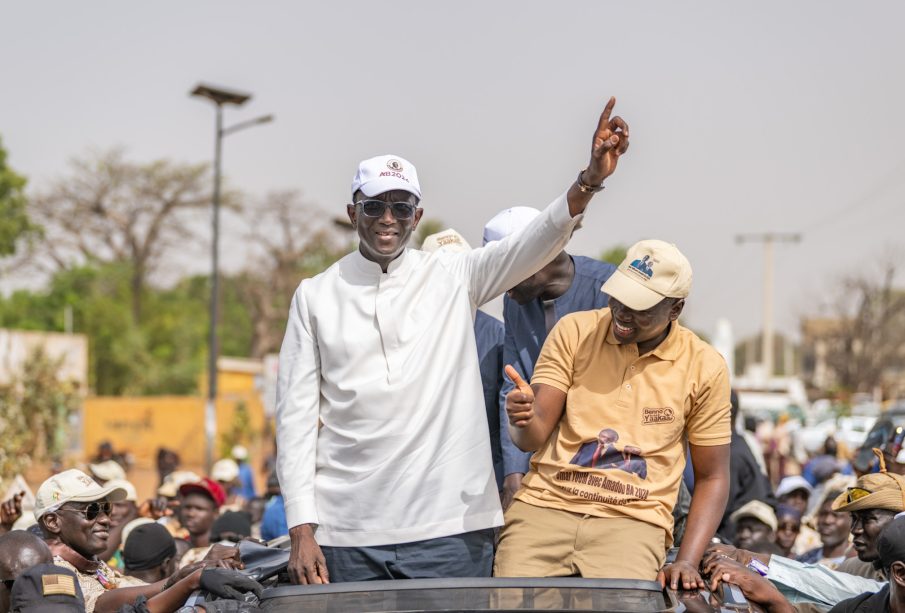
column 92, row 583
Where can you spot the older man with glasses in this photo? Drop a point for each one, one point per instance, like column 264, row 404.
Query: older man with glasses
column 73, row 512
column 383, row 442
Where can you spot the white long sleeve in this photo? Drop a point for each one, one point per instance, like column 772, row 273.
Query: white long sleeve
column 387, row 363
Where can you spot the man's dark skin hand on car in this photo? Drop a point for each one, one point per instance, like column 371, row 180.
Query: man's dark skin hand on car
column 757, row 589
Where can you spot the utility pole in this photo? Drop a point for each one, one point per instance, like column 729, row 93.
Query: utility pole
column 768, row 239
column 219, row 97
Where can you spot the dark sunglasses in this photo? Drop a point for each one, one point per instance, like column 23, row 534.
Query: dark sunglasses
column 92, row 510
column 376, row 208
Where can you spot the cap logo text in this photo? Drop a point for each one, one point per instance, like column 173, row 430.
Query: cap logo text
column 394, row 174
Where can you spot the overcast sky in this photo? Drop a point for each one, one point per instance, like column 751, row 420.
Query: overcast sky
column 745, row 117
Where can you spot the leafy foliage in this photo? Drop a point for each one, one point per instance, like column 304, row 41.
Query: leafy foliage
column 34, row 411
column 15, row 224
column 614, row 255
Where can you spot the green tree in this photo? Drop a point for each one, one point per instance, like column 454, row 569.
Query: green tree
column 15, row 224
column 112, row 210
column 614, row 255
column 34, row 411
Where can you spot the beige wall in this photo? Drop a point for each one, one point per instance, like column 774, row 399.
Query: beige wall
column 17, row 345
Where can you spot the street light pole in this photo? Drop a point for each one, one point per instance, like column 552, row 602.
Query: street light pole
column 210, row 408
column 219, row 97
column 768, row 239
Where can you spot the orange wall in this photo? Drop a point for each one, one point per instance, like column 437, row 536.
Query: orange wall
column 141, row 425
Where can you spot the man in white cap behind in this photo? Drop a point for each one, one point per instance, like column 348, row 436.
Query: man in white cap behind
column 615, row 395
column 382, row 441
column 530, row 310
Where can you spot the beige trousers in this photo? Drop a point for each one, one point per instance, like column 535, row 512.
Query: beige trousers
column 542, row 542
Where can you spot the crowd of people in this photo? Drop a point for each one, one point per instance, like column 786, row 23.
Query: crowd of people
column 587, row 434
column 88, row 543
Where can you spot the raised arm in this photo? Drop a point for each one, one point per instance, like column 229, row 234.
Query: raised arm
column 500, row 265
column 609, row 142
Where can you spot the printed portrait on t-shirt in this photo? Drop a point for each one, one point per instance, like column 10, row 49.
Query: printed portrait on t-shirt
column 603, row 453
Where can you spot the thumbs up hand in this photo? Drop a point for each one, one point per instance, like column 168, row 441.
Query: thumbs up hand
column 519, row 401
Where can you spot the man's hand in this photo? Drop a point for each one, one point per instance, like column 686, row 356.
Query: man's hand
column 155, row 508
column 519, row 401
column 742, row 556
column 681, row 575
column 757, row 589
column 10, row 512
column 511, row 484
column 609, row 142
column 306, row 561
column 224, row 556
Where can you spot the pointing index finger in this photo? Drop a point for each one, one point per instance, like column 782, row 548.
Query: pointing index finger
column 604, row 122
column 512, row 373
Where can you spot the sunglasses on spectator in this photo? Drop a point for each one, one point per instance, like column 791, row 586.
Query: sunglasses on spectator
column 376, row 208
column 92, row 510
column 857, row 493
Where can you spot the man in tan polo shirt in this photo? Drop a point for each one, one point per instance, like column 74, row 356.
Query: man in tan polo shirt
column 616, row 394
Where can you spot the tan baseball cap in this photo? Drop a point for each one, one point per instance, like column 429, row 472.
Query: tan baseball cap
column 651, row 271
column 447, row 239
column 760, row 511
column 73, row 486
column 131, row 492
column 107, row 470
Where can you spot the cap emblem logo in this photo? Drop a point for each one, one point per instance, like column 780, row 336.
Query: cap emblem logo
column 644, row 267
column 394, row 165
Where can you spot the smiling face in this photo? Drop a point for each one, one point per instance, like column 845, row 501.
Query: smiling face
column 646, row 328
column 866, row 528
column 383, row 238
column 69, row 523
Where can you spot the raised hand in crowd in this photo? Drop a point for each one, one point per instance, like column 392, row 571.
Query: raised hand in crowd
column 155, row 508
column 757, row 589
column 10, row 512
